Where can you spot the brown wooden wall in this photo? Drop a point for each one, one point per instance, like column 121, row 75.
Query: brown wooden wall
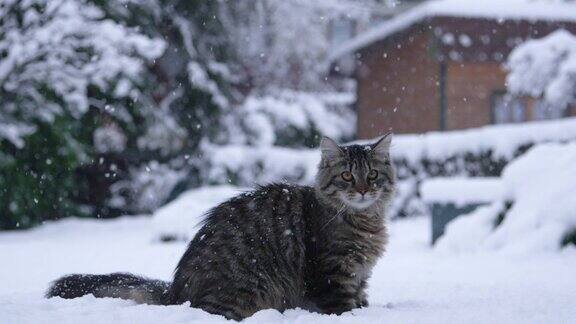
column 469, row 89
column 398, row 87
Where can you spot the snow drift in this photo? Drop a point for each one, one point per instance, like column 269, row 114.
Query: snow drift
column 541, row 186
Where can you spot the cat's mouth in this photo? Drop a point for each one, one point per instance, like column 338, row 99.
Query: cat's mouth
column 359, row 201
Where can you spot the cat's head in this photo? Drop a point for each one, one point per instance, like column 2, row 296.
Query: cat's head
column 356, row 175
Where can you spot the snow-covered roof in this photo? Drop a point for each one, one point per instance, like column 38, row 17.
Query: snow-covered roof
column 551, row 10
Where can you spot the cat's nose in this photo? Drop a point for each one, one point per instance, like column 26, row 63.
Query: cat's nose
column 362, row 190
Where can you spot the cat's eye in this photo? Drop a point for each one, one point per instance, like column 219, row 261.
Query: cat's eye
column 372, row 175
column 347, row 176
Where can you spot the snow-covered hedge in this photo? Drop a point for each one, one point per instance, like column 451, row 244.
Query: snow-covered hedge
column 481, row 152
column 541, row 187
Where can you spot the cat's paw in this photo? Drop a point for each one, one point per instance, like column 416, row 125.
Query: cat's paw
column 361, row 299
column 362, row 302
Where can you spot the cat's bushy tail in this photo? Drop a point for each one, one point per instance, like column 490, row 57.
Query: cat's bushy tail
column 115, row 285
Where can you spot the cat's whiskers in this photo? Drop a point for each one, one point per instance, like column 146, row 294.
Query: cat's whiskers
column 338, row 213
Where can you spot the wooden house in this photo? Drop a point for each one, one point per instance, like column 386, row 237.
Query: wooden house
column 440, row 66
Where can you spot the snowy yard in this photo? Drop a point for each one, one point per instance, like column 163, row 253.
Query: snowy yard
column 412, row 283
column 165, row 108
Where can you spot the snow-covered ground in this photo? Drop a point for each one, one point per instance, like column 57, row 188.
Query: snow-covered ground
column 411, row 284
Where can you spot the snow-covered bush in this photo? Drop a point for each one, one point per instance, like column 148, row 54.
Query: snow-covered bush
column 147, row 187
column 276, row 136
column 54, row 51
column 248, row 165
column 109, row 139
column 545, row 68
column 63, row 65
column 542, row 216
column 292, row 118
column 91, row 94
column 482, row 151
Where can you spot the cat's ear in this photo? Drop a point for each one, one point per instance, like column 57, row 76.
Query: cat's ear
column 330, row 150
column 382, row 147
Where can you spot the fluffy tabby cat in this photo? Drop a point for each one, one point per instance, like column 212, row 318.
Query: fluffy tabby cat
column 281, row 246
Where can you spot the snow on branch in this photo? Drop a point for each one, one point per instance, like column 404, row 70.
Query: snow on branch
column 55, row 49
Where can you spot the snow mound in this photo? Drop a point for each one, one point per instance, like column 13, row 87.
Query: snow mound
column 541, row 186
column 180, row 219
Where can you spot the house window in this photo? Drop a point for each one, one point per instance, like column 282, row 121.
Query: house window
column 507, row 109
column 341, row 30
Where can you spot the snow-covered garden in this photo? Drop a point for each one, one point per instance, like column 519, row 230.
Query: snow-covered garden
column 123, row 123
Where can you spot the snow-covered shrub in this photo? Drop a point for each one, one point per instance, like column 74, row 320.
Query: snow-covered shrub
column 545, row 68
column 273, row 135
column 146, row 188
column 63, row 65
column 291, row 118
column 248, row 165
column 84, row 81
column 54, row 51
column 542, row 216
column 109, row 139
